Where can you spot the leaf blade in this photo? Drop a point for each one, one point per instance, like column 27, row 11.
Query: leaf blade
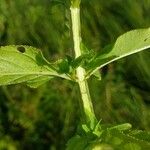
column 129, row 43
column 24, row 64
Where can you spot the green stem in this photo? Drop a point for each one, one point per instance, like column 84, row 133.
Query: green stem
column 75, row 3
column 80, row 72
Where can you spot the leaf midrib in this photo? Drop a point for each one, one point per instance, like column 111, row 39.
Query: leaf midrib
column 127, row 54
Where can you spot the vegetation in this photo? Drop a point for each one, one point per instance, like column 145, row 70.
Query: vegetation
column 28, row 116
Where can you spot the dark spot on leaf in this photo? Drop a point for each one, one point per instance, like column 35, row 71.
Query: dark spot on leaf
column 21, row 49
column 145, row 39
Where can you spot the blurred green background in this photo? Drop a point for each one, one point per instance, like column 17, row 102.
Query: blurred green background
column 45, row 118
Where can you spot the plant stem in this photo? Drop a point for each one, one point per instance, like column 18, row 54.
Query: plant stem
column 80, row 72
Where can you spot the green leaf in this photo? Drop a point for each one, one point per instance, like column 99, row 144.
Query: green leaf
column 123, row 140
column 127, row 44
column 77, row 143
column 119, row 137
column 84, row 49
column 142, row 135
column 36, row 82
column 63, row 66
column 97, row 75
column 122, row 127
column 132, row 146
column 25, row 64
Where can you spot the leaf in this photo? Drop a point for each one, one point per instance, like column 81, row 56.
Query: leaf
column 129, row 43
column 123, row 140
column 64, row 65
column 25, row 64
column 122, row 127
column 119, row 137
column 38, row 81
column 82, row 60
column 77, row 143
column 142, row 135
column 97, row 75
column 84, row 49
column 132, row 146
